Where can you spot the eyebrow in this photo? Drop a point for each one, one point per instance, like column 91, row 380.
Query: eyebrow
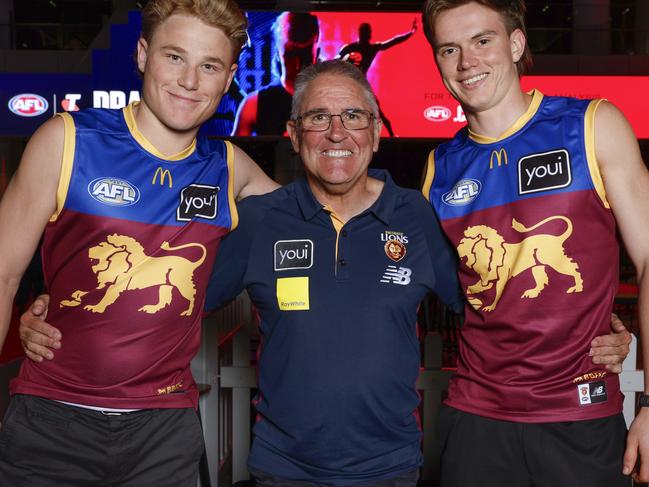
column 473, row 38
column 326, row 110
column 180, row 50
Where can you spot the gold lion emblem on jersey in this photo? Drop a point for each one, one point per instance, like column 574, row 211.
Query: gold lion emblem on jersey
column 496, row 261
column 122, row 266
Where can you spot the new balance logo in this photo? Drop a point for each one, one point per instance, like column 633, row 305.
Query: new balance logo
column 396, row 275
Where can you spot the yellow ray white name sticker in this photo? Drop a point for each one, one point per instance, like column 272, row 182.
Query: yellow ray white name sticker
column 293, row 293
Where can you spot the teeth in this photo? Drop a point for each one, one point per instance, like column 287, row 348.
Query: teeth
column 337, row 153
column 475, row 79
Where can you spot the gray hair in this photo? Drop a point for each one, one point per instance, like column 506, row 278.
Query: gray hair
column 335, row 67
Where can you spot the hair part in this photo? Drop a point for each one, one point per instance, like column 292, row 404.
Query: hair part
column 512, row 12
column 222, row 14
column 333, row 67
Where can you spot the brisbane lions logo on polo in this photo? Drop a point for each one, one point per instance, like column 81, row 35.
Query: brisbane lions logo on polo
column 499, row 261
column 121, row 265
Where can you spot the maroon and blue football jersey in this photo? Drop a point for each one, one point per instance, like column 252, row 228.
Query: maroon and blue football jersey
column 528, row 215
column 127, row 257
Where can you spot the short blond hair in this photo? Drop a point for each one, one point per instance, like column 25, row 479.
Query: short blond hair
column 222, row 14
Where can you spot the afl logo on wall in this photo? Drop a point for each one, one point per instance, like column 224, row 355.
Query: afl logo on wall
column 28, row 105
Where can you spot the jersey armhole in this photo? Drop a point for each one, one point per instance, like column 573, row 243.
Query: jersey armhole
column 67, row 162
column 591, row 158
column 429, row 175
column 232, row 204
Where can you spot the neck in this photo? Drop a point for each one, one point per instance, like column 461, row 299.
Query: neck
column 496, row 120
column 347, row 201
column 167, row 140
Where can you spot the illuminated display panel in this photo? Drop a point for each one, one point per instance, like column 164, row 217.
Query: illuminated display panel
column 411, row 94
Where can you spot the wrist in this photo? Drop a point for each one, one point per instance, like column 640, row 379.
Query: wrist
column 643, row 400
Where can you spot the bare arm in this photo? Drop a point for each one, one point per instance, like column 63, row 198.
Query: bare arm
column 27, row 205
column 249, row 179
column 398, row 39
column 626, row 181
column 246, row 118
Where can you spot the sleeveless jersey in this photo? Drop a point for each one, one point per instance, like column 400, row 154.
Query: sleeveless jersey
column 528, row 215
column 127, row 257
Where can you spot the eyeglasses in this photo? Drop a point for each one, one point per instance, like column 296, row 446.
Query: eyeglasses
column 351, row 119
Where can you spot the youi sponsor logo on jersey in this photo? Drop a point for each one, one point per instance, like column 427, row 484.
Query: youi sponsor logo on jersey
column 197, row 201
column 544, row 171
column 464, row 192
column 114, row 191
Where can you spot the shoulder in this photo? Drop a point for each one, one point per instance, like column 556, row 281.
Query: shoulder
column 412, row 205
column 254, row 209
column 458, row 141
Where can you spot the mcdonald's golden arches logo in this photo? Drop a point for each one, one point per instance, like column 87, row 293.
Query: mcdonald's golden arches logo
column 500, row 156
column 164, row 174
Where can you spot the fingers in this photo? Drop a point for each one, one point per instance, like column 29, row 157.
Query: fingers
column 618, row 339
column 616, row 323
column 40, row 305
column 37, row 352
column 630, row 457
column 37, row 336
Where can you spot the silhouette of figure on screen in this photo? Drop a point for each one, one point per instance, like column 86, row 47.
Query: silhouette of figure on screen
column 265, row 112
column 363, row 52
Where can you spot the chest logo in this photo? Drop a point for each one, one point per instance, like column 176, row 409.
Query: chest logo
column 197, row 201
column 463, row 193
column 499, row 157
column 496, row 261
column 114, row 191
column 543, row 172
column 164, row 175
column 121, row 265
column 293, row 254
column 396, row 275
column 395, row 250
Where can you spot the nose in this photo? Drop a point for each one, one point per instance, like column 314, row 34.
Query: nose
column 467, row 60
column 188, row 79
column 337, row 131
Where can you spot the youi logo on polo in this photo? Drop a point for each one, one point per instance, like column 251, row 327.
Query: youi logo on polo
column 293, row 254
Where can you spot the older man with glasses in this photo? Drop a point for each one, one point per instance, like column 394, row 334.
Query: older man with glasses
column 337, row 263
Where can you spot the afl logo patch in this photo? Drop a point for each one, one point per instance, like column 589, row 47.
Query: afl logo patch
column 293, row 254
column 395, row 250
column 28, row 105
column 463, row 193
column 114, row 191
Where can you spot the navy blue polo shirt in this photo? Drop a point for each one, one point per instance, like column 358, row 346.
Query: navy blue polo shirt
column 340, row 354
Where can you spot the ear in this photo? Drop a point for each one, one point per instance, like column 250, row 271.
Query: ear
column 378, row 124
column 291, row 128
column 142, row 47
column 517, row 44
column 233, row 69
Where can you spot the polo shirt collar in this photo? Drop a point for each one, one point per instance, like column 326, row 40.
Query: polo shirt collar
column 383, row 207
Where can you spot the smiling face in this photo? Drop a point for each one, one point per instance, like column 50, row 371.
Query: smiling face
column 476, row 56
column 335, row 160
column 187, row 67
